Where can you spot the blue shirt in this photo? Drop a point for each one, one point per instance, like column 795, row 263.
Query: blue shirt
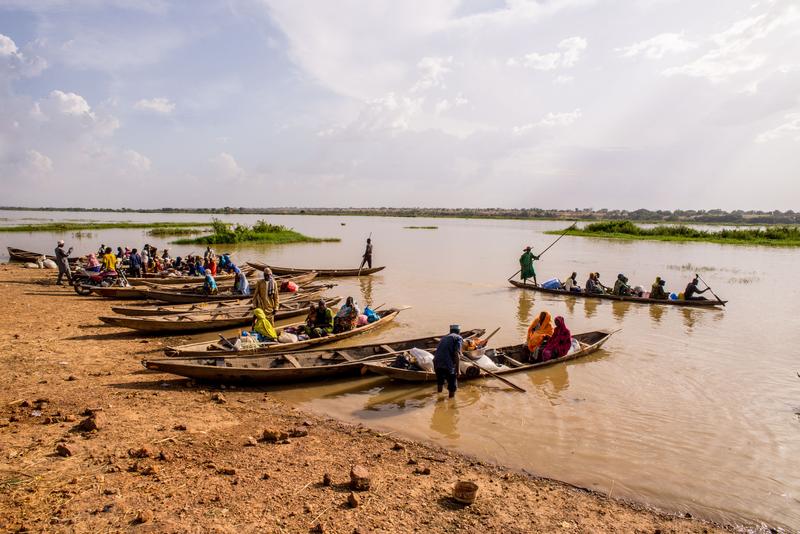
column 446, row 356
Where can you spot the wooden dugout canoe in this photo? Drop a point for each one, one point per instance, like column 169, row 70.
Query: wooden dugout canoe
column 287, row 368
column 17, row 254
column 510, row 356
column 208, row 307
column 198, row 322
column 195, row 294
column 120, row 293
column 322, row 273
column 639, row 300
column 155, row 280
column 212, row 348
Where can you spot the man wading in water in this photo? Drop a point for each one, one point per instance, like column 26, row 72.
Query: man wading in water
column 526, row 265
column 445, row 361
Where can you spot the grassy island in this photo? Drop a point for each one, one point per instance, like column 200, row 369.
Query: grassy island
column 261, row 232
column 421, row 227
column 172, row 232
column 90, row 225
column 788, row 236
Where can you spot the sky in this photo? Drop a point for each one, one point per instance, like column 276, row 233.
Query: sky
column 658, row 104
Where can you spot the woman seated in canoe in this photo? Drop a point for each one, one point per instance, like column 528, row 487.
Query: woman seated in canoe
column 109, row 260
column 621, row 287
column 319, row 322
column 539, row 333
column 92, row 263
column 210, row 285
column 262, row 327
column 571, row 284
column 347, row 317
column 658, row 291
column 559, row 343
column 240, row 284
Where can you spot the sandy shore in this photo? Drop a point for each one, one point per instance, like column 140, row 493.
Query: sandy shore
column 170, row 456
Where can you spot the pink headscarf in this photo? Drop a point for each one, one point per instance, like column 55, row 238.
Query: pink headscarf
column 559, row 343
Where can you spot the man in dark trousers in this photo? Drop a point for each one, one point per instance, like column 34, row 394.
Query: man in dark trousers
column 445, row 361
column 62, row 261
column 367, row 258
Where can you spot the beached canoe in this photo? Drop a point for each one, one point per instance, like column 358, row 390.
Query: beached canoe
column 158, row 280
column 510, row 358
column 287, row 368
column 216, row 348
column 322, row 273
column 209, row 307
column 17, row 254
column 199, row 322
column 604, row 296
column 196, row 294
column 120, row 293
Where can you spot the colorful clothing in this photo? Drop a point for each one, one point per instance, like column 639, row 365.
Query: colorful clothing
column 347, row 317
column 319, row 322
column 263, row 326
column 210, row 285
column 540, row 328
column 267, row 296
column 559, row 343
column 526, row 265
column 240, row 286
column 109, row 262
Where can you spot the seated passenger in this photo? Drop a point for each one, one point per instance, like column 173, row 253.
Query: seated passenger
column 346, row 318
column 93, row 264
column 621, row 286
column 571, row 284
column 692, row 289
column 262, row 326
column 559, row 343
column 109, row 260
column 240, row 284
column 319, row 322
column 539, row 332
column 592, row 285
column 658, row 291
column 210, row 285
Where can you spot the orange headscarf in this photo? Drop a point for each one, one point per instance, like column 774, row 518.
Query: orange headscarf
column 539, row 329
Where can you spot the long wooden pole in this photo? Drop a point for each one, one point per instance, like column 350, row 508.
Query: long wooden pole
column 495, row 375
column 548, row 248
column 709, row 288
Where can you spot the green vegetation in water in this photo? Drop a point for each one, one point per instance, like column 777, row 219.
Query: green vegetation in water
column 82, row 234
column 261, row 232
column 788, row 236
column 421, row 227
column 167, row 232
column 89, row 225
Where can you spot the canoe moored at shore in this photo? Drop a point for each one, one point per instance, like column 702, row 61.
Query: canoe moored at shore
column 157, row 280
column 208, row 307
column 215, row 348
column 198, row 322
column 17, row 254
column 120, row 293
column 322, row 273
column 196, row 294
column 287, row 368
column 509, row 356
column 639, row 300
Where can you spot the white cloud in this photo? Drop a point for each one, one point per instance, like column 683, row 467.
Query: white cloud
column 549, row 120
column 570, row 51
column 37, row 163
column 733, row 51
column 657, row 47
column 433, row 72
column 226, row 166
column 563, row 80
column 137, row 161
column 15, row 64
column 790, row 128
column 7, row 46
column 447, row 104
column 156, row 105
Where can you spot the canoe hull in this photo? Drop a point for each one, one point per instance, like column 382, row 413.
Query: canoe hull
column 637, row 300
column 120, row 293
column 594, row 341
column 275, row 369
column 17, row 254
column 322, row 273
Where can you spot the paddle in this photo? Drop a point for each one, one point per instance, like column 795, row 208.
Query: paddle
column 548, row 248
column 486, row 341
column 362, row 259
column 709, row 288
column 495, row 375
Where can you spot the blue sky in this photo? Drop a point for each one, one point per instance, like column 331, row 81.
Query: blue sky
column 661, row 104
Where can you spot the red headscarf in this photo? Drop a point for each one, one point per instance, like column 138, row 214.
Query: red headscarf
column 560, row 342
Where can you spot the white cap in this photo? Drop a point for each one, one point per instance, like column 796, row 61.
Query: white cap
column 60, row 241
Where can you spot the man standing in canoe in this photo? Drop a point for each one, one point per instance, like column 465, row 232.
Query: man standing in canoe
column 62, row 261
column 446, row 359
column 267, row 296
column 367, row 257
column 526, row 265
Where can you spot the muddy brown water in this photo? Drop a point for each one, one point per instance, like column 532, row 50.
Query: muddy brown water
column 689, row 410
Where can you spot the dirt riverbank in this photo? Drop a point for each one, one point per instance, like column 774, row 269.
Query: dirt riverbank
column 170, row 456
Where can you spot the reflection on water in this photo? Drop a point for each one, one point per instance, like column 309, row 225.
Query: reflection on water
column 619, row 308
column 524, row 306
column 672, row 395
column 590, row 307
column 656, row 312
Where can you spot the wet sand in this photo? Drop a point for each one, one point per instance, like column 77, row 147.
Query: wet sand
column 172, row 456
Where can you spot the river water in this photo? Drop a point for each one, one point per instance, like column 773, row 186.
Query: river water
column 689, row 410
